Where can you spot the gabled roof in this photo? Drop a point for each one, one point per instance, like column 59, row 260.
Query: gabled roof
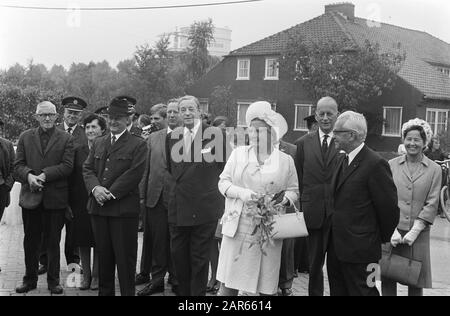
column 423, row 51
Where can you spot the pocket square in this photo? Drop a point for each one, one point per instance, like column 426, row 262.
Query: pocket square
column 206, row 150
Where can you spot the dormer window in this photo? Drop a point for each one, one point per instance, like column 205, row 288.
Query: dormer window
column 445, row 71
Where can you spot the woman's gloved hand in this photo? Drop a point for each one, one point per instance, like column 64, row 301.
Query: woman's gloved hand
column 396, row 239
column 243, row 194
column 415, row 231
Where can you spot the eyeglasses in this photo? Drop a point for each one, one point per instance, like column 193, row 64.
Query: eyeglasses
column 343, row 131
column 50, row 115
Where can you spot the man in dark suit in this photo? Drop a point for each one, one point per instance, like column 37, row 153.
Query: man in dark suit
column 197, row 203
column 112, row 173
column 287, row 269
column 44, row 161
column 315, row 161
column 365, row 210
column 157, row 186
column 73, row 108
column 6, row 173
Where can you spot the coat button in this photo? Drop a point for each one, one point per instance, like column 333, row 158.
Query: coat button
column 194, row 216
column 106, row 169
column 408, row 203
column 407, row 217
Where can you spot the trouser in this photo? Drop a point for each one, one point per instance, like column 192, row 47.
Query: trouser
column 160, row 246
column 191, row 247
column 316, row 252
column 37, row 223
column 71, row 253
column 116, row 241
column 301, row 255
column 348, row 279
column 287, row 268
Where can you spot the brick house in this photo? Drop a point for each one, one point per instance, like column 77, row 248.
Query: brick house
column 423, row 88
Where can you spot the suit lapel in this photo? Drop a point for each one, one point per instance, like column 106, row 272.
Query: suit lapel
column 332, row 152
column 53, row 139
column 334, row 181
column 351, row 168
column 122, row 140
column 317, row 149
column 37, row 141
column 162, row 142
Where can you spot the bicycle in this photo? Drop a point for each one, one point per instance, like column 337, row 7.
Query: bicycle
column 445, row 191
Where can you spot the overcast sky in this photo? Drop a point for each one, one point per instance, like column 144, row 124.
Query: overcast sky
column 59, row 37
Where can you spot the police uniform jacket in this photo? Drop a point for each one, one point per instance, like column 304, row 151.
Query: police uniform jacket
column 119, row 169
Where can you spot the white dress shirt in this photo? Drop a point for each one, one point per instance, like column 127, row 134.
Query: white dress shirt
column 118, row 135
column 354, row 153
column 322, row 136
column 66, row 127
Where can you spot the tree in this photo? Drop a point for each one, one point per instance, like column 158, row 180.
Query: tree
column 351, row 75
column 222, row 103
column 201, row 34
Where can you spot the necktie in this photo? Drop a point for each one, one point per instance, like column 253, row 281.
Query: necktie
column 113, row 140
column 343, row 168
column 325, row 145
column 188, row 140
column 69, row 130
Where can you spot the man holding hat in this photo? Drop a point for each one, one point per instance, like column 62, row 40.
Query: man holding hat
column 73, row 108
column 112, row 173
column 44, row 161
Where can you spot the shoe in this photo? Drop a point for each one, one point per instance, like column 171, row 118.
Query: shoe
column 286, row 292
column 150, row 290
column 94, row 284
column 142, row 279
column 56, row 290
column 42, row 269
column 213, row 289
column 25, row 288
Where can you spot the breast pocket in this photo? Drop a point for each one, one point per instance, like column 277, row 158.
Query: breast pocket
column 123, row 161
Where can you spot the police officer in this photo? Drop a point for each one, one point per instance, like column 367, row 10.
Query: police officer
column 112, row 173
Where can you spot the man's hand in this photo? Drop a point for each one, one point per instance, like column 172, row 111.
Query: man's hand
column 35, row 183
column 42, row 178
column 102, row 195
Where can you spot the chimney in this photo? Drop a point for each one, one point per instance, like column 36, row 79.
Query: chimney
column 347, row 9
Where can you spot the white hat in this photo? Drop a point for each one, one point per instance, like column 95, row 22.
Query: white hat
column 262, row 110
column 46, row 107
column 418, row 122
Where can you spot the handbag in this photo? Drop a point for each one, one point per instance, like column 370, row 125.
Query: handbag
column 400, row 269
column 289, row 225
column 30, row 200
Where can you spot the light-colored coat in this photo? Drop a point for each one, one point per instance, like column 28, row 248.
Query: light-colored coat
column 232, row 175
column 418, row 195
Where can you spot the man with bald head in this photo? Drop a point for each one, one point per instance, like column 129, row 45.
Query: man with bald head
column 315, row 162
column 44, row 161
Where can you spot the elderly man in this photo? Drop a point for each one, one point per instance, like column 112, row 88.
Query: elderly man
column 44, row 161
column 156, row 190
column 315, row 162
column 365, row 211
column 73, row 109
column 112, row 173
column 197, row 203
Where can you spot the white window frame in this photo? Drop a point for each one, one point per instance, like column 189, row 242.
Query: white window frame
column 436, row 122
column 267, row 77
column 238, row 112
column 385, row 108
column 238, row 68
column 297, row 105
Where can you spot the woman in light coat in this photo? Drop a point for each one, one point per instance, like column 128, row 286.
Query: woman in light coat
column 252, row 171
column 418, row 181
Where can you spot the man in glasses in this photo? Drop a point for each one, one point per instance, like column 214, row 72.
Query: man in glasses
column 315, row 161
column 73, row 109
column 44, row 161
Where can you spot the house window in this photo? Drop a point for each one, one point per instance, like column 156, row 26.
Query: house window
column 241, row 112
column 243, row 69
column 271, row 69
column 438, row 119
column 392, row 117
column 302, row 111
column 445, row 71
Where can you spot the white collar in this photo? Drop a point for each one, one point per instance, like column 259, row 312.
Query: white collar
column 194, row 130
column 354, row 153
column 119, row 135
column 129, row 127
column 169, row 130
column 67, row 126
column 322, row 134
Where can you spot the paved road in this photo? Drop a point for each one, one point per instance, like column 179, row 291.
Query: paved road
column 12, row 264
